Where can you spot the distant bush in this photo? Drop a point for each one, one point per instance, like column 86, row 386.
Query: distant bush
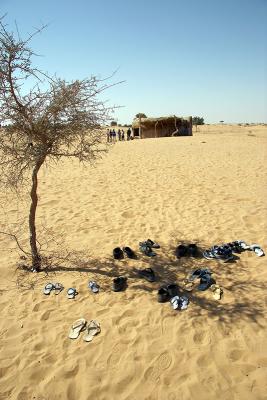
column 198, row 121
column 113, row 123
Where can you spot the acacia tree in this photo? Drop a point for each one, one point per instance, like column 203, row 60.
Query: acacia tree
column 54, row 119
column 140, row 115
column 197, row 121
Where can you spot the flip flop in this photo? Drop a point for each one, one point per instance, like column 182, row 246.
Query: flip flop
column 243, row 245
column 76, row 328
column 257, row 250
column 48, row 288
column 147, row 274
column 183, row 302
column 188, row 286
column 205, row 282
column 152, row 244
column 93, row 286
column 144, row 248
column 198, row 273
column 175, row 302
column 217, row 291
column 71, row 293
column 58, row 288
column 92, row 329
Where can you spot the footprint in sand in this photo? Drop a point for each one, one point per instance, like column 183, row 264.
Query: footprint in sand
column 161, row 364
column 236, row 355
column 201, row 338
column 115, row 356
column 45, row 315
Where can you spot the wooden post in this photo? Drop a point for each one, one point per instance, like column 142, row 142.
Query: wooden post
column 140, row 130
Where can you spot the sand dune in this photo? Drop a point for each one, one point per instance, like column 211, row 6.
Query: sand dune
column 206, row 189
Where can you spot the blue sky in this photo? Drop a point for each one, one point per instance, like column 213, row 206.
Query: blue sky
column 191, row 57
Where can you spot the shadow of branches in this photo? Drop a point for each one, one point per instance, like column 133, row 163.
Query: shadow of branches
column 243, row 293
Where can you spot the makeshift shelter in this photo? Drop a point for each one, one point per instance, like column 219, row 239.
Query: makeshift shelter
column 162, row 127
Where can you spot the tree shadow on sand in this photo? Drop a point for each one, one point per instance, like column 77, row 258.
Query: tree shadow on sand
column 243, row 294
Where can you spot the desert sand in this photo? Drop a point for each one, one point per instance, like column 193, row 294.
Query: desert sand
column 207, row 189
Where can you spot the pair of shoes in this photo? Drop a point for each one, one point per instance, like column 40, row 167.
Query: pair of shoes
column 205, row 279
column 57, row 287
column 92, row 329
column 179, row 302
column 223, row 253
column 146, row 248
column 119, row 284
column 147, row 274
column 167, row 292
column 118, row 253
column 182, row 251
column 93, row 286
column 253, row 247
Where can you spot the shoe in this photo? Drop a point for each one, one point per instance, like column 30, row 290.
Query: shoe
column 129, row 252
column 172, row 290
column 181, row 251
column 148, row 274
column 163, row 295
column 117, row 253
column 192, row 250
column 119, row 284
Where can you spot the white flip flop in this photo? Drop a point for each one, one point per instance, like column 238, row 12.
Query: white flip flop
column 92, row 329
column 257, row 250
column 76, row 328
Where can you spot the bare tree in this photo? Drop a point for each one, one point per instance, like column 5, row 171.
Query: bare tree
column 54, row 119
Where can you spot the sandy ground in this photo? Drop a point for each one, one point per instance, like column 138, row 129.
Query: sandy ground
column 206, row 189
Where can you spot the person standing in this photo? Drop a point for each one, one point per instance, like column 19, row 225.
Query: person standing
column 129, row 134
column 110, row 135
column 107, row 135
column 114, row 135
column 122, row 134
column 119, row 135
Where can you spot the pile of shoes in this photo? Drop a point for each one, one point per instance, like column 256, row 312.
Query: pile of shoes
column 224, row 253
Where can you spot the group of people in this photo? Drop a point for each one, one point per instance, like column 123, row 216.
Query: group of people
column 113, row 136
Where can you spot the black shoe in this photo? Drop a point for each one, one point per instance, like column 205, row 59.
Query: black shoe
column 117, row 253
column 152, row 244
column 119, row 284
column 172, row 290
column 129, row 252
column 163, row 294
column 192, row 250
column 148, row 274
column 181, row 251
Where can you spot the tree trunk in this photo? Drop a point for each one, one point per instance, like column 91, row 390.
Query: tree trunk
column 36, row 259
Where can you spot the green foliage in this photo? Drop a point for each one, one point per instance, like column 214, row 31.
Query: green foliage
column 140, row 115
column 198, row 121
column 113, row 123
